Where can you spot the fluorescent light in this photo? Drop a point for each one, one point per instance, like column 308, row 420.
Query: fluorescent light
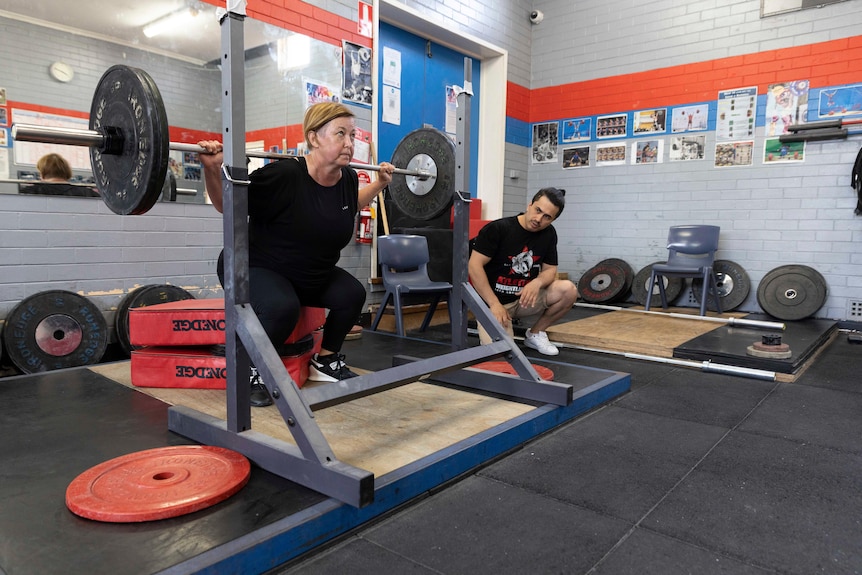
column 171, row 21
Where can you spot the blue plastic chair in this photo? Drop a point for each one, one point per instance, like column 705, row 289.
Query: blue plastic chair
column 691, row 254
column 404, row 262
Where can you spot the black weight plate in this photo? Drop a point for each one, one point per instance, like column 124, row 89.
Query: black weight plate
column 792, row 292
column 672, row 287
column 630, row 276
column 732, row 282
column 127, row 100
column 602, row 283
column 152, row 294
column 432, row 146
column 55, row 329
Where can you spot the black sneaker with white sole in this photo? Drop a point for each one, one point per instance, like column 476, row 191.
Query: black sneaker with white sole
column 329, row 368
column 259, row 394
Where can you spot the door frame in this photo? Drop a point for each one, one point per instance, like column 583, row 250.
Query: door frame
column 490, row 164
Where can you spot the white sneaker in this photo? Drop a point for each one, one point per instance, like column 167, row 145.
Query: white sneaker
column 539, row 342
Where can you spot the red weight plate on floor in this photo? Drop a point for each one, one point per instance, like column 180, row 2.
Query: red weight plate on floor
column 506, row 367
column 157, row 483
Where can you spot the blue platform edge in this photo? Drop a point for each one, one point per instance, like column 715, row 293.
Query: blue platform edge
column 292, row 536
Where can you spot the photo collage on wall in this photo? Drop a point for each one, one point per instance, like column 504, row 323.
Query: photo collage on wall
column 732, row 116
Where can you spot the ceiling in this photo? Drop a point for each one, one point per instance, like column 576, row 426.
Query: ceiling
column 196, row 39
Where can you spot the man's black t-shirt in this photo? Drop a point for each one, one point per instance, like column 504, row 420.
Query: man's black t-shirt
column 296, row 226
column 516, row 255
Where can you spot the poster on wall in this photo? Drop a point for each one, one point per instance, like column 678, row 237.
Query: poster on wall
column 648, row 151
column 777, row 152
column 175, row 163
column 690, row 118
column 786, row 104
column 577, row 129
column 316, row 92
column 191, row 166
column 391, row 105
column 4, row 116
column 2, row 96
column 545, row 142
column 4, row 138
column 391, row 113
column 615, row 126
column 686, row 148
column 4, row 163
column 846, row 101
column 610, row 154
column 356, row 69
column 577, row 157
column 391, row 67
column 650, row 121
column 365, row 23
column 735, row 114
column 734, row 154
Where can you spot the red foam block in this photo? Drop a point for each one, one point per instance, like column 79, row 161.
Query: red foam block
column 199, row 322
column 197, row 368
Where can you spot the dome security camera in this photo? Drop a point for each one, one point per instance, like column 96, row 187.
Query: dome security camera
column 536, row 16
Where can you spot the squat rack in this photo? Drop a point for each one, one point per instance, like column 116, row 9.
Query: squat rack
column 311, row 462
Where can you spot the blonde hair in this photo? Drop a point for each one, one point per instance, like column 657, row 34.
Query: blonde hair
column 318, row 115
column 54, row 166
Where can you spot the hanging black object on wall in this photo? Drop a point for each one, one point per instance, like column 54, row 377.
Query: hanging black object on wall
column 856, row 182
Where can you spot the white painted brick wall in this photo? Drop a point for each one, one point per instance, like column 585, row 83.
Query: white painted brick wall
column 769, row 215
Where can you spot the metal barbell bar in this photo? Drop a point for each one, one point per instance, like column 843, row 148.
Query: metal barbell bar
column 95, row 138
column 731, row 321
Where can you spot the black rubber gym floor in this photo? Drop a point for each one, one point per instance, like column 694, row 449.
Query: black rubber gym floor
column 690, row 472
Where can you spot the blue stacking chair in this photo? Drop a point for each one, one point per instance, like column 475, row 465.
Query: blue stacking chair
column 404, row 262
column 691, row 254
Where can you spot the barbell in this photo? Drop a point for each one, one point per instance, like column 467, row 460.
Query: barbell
column 129, row 150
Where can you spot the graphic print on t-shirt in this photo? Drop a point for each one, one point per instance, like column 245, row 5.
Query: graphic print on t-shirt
column 520, row 266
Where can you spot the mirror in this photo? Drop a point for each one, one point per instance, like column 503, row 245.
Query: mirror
column 60, row 51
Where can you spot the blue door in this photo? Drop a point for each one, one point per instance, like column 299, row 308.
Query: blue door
column 426, row 70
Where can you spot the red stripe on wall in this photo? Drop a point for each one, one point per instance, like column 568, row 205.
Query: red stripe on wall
column 304, row 18
column 190, row 136
column 283, row 137
column 832, row 63
column 517, row 102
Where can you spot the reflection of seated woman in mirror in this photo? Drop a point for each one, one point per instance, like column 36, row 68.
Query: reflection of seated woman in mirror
column 55, row 174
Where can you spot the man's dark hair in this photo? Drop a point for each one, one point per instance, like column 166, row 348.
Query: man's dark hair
column 556, row 196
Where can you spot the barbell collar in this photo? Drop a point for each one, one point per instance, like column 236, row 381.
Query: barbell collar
column 112, row 143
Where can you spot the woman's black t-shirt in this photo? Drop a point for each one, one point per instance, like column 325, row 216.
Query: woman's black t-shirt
column 296, row 226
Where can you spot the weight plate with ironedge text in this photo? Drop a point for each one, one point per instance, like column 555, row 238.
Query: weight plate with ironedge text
column 157, row 483
column 630, row 276
column 429, row 150
column 732, row 282
column 602, row 283
column 147, row 295
column 792, row 292
column 128, row 110
column 55, row 329
column 672, row 287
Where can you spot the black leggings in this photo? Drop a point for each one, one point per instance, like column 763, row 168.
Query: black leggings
column 276, row 302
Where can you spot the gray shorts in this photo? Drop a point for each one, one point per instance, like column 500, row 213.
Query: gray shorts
column 517, row 311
